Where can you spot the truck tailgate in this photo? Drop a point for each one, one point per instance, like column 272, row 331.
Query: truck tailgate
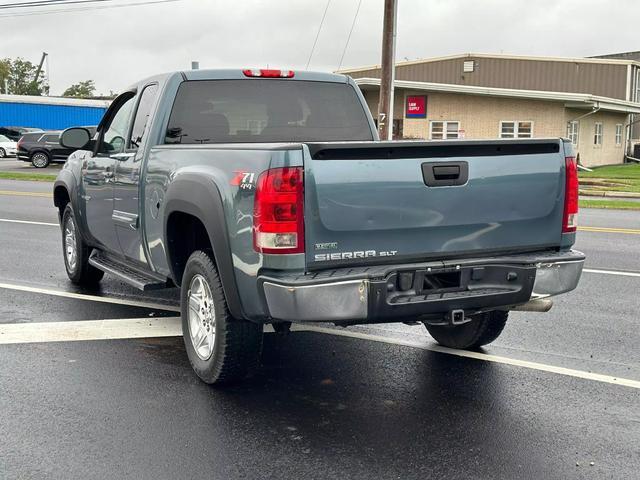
column 431, row 200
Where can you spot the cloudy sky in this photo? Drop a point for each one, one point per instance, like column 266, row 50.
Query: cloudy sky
column 118, row 46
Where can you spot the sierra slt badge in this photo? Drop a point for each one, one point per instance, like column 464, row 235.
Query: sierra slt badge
column 325, row 257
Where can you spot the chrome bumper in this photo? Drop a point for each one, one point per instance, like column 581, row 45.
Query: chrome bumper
column 355, row 299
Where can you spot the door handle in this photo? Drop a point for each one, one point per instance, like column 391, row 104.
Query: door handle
column 122, row 157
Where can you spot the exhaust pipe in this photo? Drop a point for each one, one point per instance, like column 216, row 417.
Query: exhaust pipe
column 537, row 305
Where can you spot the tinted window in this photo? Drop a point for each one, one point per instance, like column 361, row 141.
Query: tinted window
column 212, row 111
column 142, row 115
column 49, row 138
column 113, row 140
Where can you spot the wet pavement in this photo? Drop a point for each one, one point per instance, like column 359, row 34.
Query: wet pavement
column 322, row 405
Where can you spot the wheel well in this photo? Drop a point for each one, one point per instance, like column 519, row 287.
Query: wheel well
column 185, row 235
column 60, row 199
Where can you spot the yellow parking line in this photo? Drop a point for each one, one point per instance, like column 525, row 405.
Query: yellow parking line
column 26, row 194
column 631, row 231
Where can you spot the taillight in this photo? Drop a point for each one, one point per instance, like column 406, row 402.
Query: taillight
column 570, row 217
column 19, row 142
column 278, row 212
column 268, row 73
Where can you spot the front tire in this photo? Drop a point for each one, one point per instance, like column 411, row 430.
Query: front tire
column 3, row 153
column 482, row 330
column 221, row 349
column 40, row 160
column 76, row 252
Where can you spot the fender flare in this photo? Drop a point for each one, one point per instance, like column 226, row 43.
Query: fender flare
column 67, row 181
column 198, row 195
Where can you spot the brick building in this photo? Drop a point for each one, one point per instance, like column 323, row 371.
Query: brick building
column 592, row 101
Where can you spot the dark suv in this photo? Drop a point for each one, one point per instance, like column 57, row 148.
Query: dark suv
column 42, row 148
column 14, row 133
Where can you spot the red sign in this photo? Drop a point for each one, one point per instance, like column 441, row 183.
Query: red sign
column 416, row 107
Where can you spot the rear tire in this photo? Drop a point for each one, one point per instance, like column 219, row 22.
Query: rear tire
column 40, row 160
column 3, row 153
column 221, row 349
column 76, row 252
column 482, row 330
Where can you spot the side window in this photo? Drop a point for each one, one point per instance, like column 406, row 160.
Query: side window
column 142, row 116
column 50, row 138
column 113, row 140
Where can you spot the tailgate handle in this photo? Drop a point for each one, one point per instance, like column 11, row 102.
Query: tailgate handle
column 445, row 174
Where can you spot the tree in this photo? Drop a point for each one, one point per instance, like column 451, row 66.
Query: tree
column 5, row 73
column 81, row 90
column 21, row 75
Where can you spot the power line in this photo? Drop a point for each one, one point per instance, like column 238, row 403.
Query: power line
column 47, row 3
column 83, row 9
column 355, row 17
column 317, row 34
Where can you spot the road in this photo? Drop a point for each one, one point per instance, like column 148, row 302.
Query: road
column 554, row 394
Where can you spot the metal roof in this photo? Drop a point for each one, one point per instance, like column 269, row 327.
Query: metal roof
column 617, row 61
column 41, row 100
column 572, row 100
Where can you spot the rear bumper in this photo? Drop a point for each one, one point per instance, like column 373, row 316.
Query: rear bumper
column 397, row 292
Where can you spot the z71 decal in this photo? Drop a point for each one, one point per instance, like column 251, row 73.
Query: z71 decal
column 244, row 180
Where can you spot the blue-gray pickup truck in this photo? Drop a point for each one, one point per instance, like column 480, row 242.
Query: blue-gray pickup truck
column 266, row 196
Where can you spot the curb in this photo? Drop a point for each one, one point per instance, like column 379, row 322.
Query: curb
column 608, row 194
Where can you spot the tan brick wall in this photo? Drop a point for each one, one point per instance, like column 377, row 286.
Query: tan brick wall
column 592, row 155
column 480, row 118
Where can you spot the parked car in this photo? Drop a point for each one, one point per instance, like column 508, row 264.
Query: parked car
column 42, row 148
column 14, row 133
column 267, row 197
column 7, row 147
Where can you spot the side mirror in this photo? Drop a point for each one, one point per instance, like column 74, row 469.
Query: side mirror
column 75, row 137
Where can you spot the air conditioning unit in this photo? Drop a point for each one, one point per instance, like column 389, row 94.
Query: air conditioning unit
column 468, row 66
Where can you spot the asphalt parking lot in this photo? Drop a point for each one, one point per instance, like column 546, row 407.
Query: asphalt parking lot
column 96, row 384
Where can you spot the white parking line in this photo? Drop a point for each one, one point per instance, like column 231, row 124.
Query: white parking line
column 612, row 272
column 90, row 330
column 474, row 355
column 46, row 224
column 92, row 298
column 171, row 327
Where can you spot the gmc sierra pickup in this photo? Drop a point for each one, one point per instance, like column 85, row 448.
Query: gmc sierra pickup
column 266, row 196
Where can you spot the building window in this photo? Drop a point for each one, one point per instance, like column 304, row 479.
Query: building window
column 618, row 134
column 573, row 130
column 444, row 130
column 638, row 85
column 597, row 134
column 516, row 129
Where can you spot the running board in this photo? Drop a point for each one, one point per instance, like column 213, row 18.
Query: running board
column 134, row 277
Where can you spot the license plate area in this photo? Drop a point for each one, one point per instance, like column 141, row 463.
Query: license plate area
column 422, row 285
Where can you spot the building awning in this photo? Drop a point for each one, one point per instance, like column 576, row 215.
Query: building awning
column 570, row 100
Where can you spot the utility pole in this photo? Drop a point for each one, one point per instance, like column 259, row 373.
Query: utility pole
column 387, row 74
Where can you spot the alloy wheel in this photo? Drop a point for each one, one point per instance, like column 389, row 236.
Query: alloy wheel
column 202, row 317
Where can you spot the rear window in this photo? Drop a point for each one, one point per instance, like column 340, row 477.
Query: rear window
column 231, row 111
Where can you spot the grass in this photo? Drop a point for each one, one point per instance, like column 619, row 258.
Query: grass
column 34, row 177
column 627, row 171
column 610, row 204
column 612, row 178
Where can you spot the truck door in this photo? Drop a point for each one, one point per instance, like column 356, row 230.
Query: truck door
column 98, row 172
column 126, row 204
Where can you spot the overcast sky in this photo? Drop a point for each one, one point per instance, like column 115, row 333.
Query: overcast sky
column 118, row 46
